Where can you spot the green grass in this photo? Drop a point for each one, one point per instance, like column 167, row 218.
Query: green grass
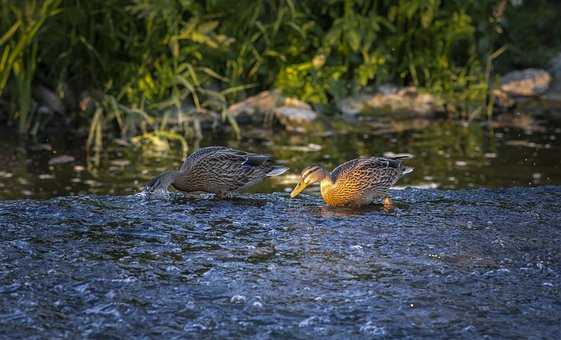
column 153, row 68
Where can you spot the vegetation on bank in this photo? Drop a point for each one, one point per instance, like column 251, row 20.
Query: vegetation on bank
column 152, row 68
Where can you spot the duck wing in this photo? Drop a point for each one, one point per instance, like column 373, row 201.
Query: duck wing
column 373, row 173
column 221, row 169
column 196, row 156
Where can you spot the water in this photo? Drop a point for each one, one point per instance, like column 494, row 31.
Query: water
column 81, row 255
column 462, row 263
column 449, row 155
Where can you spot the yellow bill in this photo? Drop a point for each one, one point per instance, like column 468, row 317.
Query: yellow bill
column 298, row 189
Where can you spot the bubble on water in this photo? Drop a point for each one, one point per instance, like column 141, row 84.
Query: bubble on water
column 308, row 322
column 499, row 243
column 238, row 299
column 469, row 328
column 82, row 288
column 172, row 269
column 540, row 265
column 497, row 272
column 257, row 304
column 110, row 294
column 356, row 247
column 196, row 327
column 548, row 284
column 371, row 329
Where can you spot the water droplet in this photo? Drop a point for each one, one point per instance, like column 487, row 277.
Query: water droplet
column 308, row 322
column 238, row 299
column 370, row 329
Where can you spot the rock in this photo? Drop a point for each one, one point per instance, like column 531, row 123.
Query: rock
column 292, row 113
column 294, row 102
column 352, row 106
column 295, row 118
column 262, row 103
column 502, row 99
column 526, row 83
column 61, row 160
column 393, row 99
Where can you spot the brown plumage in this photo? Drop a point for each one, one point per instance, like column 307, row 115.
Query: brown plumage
column 356, row 182
column 217, row 169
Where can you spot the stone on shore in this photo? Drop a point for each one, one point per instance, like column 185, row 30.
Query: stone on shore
column 392, row 99
column 292, row 113
column 295, row 118
column 526, row 83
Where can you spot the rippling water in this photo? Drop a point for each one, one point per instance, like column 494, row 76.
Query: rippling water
column 464, row 263
column 448, row 155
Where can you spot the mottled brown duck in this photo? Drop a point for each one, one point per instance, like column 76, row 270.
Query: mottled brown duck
column 357, row 182
column 217, row 169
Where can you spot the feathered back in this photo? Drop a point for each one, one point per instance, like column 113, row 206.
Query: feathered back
column 220, row 169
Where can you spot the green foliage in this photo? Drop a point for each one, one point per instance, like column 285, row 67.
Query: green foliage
column 159, row 65
column 18, row 51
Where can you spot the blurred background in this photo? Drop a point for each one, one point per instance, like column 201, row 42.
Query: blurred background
column 99, row 96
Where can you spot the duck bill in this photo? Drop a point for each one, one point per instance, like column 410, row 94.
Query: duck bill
column 298, row 189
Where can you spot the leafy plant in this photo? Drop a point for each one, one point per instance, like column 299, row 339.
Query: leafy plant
column 143, row 67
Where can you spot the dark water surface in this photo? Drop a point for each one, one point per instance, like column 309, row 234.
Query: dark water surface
column 463, row 263
column 517, row 151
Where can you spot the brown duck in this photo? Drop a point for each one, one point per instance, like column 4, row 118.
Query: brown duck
column 217, row 169
column 357, row 182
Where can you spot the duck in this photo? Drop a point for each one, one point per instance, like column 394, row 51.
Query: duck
column 357, row 182
column 216, row 169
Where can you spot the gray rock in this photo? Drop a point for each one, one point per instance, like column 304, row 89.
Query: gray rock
column 295, row 118
column 526, row 83
column 293, row 113
column 262, row 103
column 393, row 99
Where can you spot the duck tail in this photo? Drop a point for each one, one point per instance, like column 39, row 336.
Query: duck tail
column 161, row 183
column 407, row 170
column 400, row 156
column 256, row 160
column 277, row 170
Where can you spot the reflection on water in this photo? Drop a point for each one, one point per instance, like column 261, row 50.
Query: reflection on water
column 445, row 264
column 447, row 155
